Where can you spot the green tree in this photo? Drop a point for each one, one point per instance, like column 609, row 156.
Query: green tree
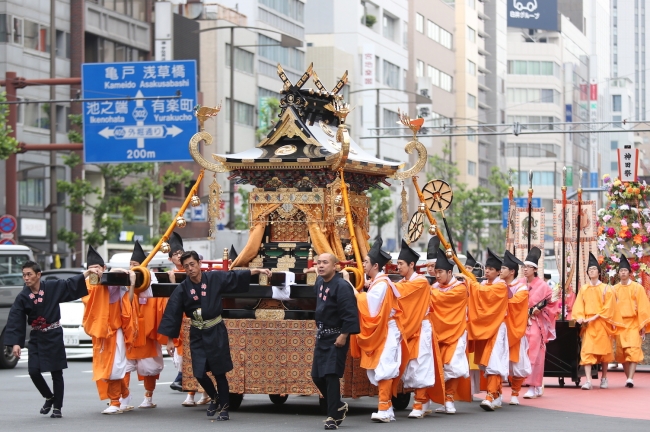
column 125, row 188
column 380, row 208
column 268, row 116
column 8, row 144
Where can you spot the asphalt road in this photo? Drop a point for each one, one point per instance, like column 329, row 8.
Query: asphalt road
column 20, row 403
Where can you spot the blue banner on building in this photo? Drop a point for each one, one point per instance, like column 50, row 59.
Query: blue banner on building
column 533, row 14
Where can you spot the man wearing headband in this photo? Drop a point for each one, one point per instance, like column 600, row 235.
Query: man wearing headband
column 634, row 306
column 595, row 309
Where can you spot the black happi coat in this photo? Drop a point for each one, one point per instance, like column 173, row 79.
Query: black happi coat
column 209, row 345
column 336, row 307
column 46, row 349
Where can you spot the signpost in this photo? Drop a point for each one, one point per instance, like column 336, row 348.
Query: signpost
column 154, row 129
column 8, row 226
column 519, row 202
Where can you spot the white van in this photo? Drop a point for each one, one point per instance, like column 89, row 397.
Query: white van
column 12, row 258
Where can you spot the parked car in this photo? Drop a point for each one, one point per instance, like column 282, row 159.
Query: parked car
column 78, row 344
column 12, row 258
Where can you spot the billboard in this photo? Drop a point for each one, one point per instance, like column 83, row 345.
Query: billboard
column 533, row 14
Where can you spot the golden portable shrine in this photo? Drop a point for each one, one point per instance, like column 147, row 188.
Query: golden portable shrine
column 309, row 197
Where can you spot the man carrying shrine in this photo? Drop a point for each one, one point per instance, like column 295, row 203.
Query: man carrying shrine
column 634, row 308
column 596, row 310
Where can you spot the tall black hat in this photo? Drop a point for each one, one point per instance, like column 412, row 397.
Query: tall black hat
column 93, row 258
column 532, row 259
column 511, row 261
column 175, row 243
column 232, row 255
column 470, row 261
column 138, row 254
column 377, row 255
column 432, row 248
column 624, row 264
column 443, row 262
column 493, row 260
column 593, row 261
column 407, row 254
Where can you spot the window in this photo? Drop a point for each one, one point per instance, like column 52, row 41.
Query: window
column 614, row 166
column 471, row 34
column 12, row 265
column 62, row 44
column 613, row 145
column 419, row 23
column 471, row 100
column 244, row 113
column 445, row 38
column 391, row 119
column 37, row 115
column 5, row 28
column 390, row 27
column 439, row 78
column 17, row 31
column 419, row 71
column 471, row 168
column 522, row 95
column 523, row 67
column 37, row 37
column 31, row 192
column 291, row 8
column 291, row 57
column 438, row 34
column 616, row 103
column 377, row 69
column 471, row 4
column 471, row 68
column 533, row 150
column 243, row 60
column 133, row 8
column 391, row 75
column 540, row 178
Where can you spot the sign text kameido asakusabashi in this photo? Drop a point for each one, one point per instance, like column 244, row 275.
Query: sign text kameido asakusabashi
column 155, row 120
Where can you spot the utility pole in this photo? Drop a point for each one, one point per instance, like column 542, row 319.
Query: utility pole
column 53, row 177
column 377, row 124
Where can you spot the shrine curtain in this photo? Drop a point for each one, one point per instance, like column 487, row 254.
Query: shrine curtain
column 361, row 214
column 256, row 235
column 317, row 230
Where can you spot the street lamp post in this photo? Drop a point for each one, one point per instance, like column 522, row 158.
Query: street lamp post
column 286, row 41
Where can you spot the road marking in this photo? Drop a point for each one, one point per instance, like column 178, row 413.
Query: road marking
column 25, row 376
column 87, row 371
column 161, row 383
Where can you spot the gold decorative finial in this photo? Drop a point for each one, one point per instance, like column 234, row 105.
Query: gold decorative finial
column 339, row 108
column 414, row 125
column 203, row 113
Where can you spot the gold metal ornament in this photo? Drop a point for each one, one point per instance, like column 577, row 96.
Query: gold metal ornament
column 416, row 145
column 433, row 230
column 415, row 227
column 181, row 222
column 449, row 253
column 195, row 201
column 93, row 279
column 338, row 200
column 214, row 202
column 348, row 249
column 421, row 208
column 341, row 222
column 165, row 248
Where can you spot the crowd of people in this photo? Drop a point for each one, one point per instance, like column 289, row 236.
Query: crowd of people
column 446, row 337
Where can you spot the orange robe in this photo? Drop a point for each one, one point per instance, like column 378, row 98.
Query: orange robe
column 597, row 335
column 449, row 320
column 634, row 307
column 517, row 319
column 488, row 305
column 101, row 321
column 148, row 316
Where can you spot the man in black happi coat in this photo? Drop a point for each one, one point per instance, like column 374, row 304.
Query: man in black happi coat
column 38, row 305
column 337, row 317
column 199, row 297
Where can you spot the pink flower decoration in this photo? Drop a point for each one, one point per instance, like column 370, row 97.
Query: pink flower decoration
column 324, row 298
column 606, row 218
column 644, row 239
column 31, row 296
column 611, row 232
column 623, row 222
column 35, row 301
column 634, row 266
column 636, row 225
column 320, row 295
column 192, row 292
column 203, row 286
column 40, row 300
column 40, row 293
column 195, row 298
column 203, row 293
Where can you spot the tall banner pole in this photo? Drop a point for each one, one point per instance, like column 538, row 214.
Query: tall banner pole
column 577, row 254
column 530, row 206
column 563, row 243
column 511, row 199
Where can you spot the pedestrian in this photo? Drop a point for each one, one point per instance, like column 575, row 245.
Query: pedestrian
column 542, row 312
column 432, row 255
column 488, row 334
column 145, row 356
column 380, row 342
column 634, row 307
column 108, row 321
column 415, row 302
column 449, row 317
column 199, row 297
column 516, row 322
column 38, row 305
column 337, row 317
column 596, row 310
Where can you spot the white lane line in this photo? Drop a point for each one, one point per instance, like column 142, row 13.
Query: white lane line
column 25, row 376
column 87, row 371
column 161, row 383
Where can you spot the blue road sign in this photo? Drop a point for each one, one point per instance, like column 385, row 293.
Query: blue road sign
column 519, row 202
column 151, row 130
